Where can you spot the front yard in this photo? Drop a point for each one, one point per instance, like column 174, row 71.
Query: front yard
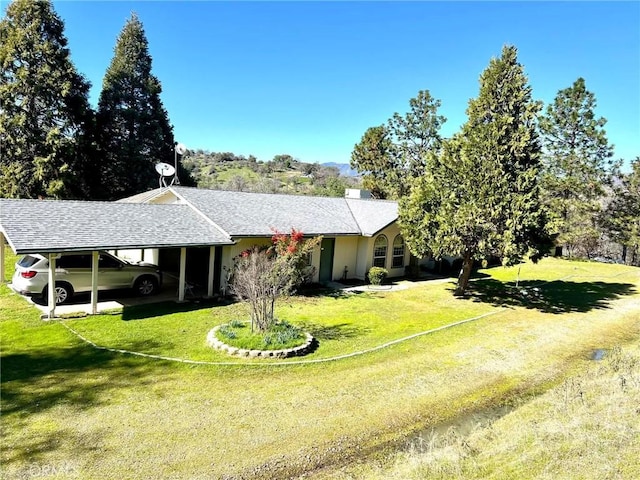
column 88, row 413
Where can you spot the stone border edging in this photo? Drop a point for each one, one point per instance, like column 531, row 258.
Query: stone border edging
column 300, row 350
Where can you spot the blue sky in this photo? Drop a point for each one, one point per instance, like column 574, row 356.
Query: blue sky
column 308, row 78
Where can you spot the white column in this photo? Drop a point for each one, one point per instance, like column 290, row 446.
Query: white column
column 2, row 272
column 183, row 269
column 95, row 256
column 51, row 291
column 212, row 259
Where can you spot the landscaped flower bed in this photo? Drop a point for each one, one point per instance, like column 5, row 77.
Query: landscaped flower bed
column 281, row 341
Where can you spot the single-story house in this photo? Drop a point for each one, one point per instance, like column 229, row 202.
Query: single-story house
column 197, row 232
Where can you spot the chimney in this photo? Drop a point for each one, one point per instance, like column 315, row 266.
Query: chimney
column 356, row 193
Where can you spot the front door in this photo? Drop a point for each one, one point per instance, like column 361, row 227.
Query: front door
column 327, row 248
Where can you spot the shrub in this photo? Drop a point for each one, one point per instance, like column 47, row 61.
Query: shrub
column 377, row 275
column 262, row 275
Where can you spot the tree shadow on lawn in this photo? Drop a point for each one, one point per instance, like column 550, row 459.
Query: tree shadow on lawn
column 79, row 376
column 551, row 297
column 333, row 332
column 316, row 290
column 140, row 312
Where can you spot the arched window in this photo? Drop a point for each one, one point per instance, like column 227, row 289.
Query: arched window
column 398, row 252
column 380, row 251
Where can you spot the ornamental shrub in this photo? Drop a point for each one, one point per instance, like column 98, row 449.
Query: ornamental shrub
column 377, row 275
column 262, row 275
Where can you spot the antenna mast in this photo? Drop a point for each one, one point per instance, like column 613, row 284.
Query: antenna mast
column 178, row 149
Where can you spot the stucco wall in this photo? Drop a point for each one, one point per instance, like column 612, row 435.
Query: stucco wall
column 345, row 255
column 165, row 198
column 365, row 254
column 229, row 252
column 364, row 258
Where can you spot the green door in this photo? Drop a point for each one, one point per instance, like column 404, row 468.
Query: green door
column 326, row 259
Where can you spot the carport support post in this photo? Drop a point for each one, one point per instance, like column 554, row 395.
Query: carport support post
column 95, row 256
column 51, row 290
column 212, row 259
column 2, row 272
column 183, row 268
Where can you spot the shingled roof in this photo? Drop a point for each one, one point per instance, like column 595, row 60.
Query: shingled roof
column 200, row 218
column 42, row 226
column 242, row 214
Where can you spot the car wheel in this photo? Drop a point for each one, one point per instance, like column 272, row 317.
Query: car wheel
column 63, row 293
column 146, row 286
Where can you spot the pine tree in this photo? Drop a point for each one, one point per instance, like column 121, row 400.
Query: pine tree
column 621, row 218
column 390, row 156
column 575, row 166
column 479, row 196
column 45, row 117
column 134, row 129
column 372, row 158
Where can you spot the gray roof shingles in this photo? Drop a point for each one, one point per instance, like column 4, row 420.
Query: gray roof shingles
column 40, row 226
column 243, row 214
column 50, row 226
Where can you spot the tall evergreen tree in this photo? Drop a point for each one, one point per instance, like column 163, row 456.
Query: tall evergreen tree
column 621, row 218
column 391, row 155
column 134, row 129
column 45, row 117
column 576, row 160
column 373, row 159
column 480, row 196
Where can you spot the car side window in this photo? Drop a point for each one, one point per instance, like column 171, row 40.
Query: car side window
column 108, row 262
column 74, row 261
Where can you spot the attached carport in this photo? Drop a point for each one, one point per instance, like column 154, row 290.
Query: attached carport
column 52, row 227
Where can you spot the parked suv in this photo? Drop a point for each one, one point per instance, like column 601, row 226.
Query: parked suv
column 73, row 275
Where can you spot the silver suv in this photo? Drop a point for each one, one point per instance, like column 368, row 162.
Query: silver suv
column 73, row 275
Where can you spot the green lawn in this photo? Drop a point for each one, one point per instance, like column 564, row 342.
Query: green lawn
column 101, row 414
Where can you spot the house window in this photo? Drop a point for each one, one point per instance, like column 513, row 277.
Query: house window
column 398, row 252
column 308, row 259
column 380, row 251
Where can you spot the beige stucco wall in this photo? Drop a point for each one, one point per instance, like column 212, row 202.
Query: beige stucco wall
column 165, row 198
column 345, row 255
column 365, row 253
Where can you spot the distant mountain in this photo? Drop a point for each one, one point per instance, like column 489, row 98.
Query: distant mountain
column 344, row 168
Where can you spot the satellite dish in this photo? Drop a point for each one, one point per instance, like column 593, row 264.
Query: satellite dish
column 165, row 170
column 180, row 148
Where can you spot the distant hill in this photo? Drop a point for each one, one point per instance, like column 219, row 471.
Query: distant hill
column 283, row 174
column 344, row 168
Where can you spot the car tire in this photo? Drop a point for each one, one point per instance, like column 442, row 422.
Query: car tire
column 146, row 285
column 63, row 293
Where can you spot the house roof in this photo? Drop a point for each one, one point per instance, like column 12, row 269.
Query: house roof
column 42, row 226
column 242, row 214
column 372, row 215
column 200, row 218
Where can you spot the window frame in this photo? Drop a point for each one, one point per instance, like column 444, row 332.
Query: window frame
column 379, row 258
column 397, row 256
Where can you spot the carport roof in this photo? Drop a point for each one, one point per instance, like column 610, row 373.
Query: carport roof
column 44, row 226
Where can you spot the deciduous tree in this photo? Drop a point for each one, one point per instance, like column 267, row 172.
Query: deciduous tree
column 45, row 117
column 479, row 196
column 262, row 275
